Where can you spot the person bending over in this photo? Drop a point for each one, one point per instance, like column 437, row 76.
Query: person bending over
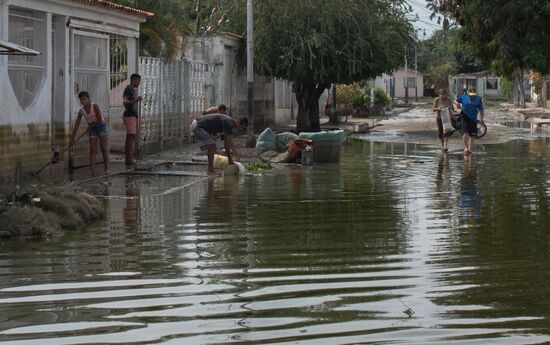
column 220, row 109
column 207, row 128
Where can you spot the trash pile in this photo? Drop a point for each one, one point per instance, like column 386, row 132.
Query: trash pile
column 306, row 148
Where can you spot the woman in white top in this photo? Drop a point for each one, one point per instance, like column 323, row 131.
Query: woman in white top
column 97, row 129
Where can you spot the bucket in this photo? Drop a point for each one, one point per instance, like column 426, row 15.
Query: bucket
column 234, row 169
column 220, row 162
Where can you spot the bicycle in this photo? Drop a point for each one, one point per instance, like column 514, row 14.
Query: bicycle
column 456, row 122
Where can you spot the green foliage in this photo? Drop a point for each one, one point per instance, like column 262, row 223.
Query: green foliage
column 381, row 99
column 338, row 41
column 506, row 86
column 258, row 166
column 510, row 35
column 446, row 47
column 360, row 99
column 438, row 75
column 160, row 36
column 317, row 43
column 346, row 94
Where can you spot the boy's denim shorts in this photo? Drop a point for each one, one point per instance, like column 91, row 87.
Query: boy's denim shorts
column 99, row 130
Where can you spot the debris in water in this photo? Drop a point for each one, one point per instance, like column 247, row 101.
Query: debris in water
column 41, row 213
column 409, row 312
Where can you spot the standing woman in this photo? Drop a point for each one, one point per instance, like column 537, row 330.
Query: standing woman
column 441, row 102
column 97, row 129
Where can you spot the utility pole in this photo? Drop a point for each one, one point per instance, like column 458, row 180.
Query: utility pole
column 251, row 140
column 415, row 73
column 406, row 79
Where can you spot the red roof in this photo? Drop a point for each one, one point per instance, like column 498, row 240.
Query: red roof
column 117, row 7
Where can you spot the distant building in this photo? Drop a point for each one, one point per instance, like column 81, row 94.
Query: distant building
column 486, row 84
column 84, row 45
column 394, row 83
column 413, row 80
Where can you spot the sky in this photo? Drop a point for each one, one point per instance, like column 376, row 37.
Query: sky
column 424, row 23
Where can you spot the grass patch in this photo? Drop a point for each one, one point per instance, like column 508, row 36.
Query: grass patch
column 258, row 166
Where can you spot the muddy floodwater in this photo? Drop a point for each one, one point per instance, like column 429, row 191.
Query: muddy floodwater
column 396, row 245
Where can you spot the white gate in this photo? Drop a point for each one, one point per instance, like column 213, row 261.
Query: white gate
column 173, row 95
column 89, row 72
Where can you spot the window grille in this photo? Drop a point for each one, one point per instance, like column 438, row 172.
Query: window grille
column 27, row 28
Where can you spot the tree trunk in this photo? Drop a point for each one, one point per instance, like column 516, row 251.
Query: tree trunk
column 307, row 97
column 521, row 88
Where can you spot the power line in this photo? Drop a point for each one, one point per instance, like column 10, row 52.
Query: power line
column 420, row 7
column 428, row 23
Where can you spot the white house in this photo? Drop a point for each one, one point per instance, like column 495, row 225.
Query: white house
column 84, row 45
column 486, row 84
column 394, row 83
column 413, row 80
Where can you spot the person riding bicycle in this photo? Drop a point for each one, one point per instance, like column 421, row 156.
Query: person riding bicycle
column 470, row 104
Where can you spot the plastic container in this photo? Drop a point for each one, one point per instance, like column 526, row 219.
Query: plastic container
column 220, row 162
column 236, row 168
column 327, row 145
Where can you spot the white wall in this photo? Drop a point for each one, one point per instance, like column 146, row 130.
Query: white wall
column 24, row 147
column 399, row 76
column 384, row 82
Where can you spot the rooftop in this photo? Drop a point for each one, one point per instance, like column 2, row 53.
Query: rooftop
column 117, row 7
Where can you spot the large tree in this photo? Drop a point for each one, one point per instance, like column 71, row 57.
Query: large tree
column 314, row 43
column 510, row 35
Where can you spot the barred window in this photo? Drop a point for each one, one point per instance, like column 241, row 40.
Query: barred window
column 27, row 28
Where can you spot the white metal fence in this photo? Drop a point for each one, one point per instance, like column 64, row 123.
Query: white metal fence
column 173, row 95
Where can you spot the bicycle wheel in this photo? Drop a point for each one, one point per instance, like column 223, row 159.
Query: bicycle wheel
column 481, row 130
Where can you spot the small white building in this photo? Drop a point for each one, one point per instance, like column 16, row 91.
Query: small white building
column 410, row 81
column 486, row 84
column 87, row 45
column 394, row 83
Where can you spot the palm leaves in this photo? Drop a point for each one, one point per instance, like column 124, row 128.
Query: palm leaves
column 162, row 35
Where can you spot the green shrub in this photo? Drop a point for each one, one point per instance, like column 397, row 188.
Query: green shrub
column 381, row 97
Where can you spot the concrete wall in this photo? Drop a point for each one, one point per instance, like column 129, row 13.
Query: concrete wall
column 25, row 138
column 384, row 82
column 28, row 135
column 228, row 84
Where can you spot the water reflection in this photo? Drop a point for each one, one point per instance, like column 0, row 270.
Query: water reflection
column 470, row 200
column 131, row 211
column 320, row 255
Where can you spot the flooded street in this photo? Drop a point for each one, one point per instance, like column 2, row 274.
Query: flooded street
column 397, row 244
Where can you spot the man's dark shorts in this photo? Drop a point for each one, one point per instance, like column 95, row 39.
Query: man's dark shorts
column 469, row 126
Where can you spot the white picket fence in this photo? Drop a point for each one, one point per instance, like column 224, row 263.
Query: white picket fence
column 174, row 93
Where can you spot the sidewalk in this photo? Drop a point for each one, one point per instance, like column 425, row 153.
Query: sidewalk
column 361, row 125
column 538, row 117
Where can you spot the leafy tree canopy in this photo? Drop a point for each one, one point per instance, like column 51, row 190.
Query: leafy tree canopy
column 337, row 41
column 314, row 43
column 510, row 35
